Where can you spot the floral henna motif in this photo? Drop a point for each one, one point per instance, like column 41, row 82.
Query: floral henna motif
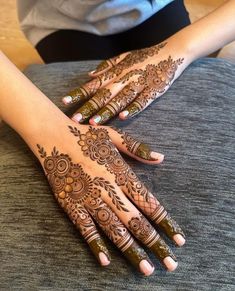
column 156, row 79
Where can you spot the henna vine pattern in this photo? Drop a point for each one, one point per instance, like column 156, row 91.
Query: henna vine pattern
column 80, row 195
column 133, row 58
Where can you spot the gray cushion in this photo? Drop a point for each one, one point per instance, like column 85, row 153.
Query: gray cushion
column 193, row 125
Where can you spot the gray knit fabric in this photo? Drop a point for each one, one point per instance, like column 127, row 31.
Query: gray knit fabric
column 193, row 125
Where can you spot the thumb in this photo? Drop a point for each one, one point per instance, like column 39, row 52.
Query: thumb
column 133, row 148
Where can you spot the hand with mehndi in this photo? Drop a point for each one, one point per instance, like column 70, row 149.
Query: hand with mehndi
column 88, row 176
column 127, row 84
column 97, row 189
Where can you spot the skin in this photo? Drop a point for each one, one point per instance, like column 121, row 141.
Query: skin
column 127, row 84
column 88, row 177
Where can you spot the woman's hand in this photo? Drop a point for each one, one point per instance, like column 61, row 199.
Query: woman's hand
column 97, row 189
column 127, row 84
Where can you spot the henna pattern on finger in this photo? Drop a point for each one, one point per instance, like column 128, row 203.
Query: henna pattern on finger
column 106, row 64
column 82, row 93
column 135, row 147
column 119, row 102
column 99, row 100
column 145, row 232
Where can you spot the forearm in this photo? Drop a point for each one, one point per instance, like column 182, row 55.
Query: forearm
column 22, row 105
column 209, row 33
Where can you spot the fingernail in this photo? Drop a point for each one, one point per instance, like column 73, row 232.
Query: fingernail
column 92, row 72
column 96, row 118
column 67, row 99
column 157, row 156
column 77, row 117
column 179, row 239
column 170, row 264
column 103, row 259
column 124, row 114
column 146, row 268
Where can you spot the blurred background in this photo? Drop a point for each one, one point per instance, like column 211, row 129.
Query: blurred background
column 20, row 51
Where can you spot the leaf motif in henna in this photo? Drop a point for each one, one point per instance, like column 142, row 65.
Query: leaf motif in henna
column 41, row 151
column 74, row 130
column 98, row 181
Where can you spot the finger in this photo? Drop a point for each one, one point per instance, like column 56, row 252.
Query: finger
column 84, row 223
column 152, row 208
column 82, row 93
column 107, row 64
column 145, row 98
column 134, row 148
column 118, row 103
column 139, row 226
column 99, row 100
column 117, row 232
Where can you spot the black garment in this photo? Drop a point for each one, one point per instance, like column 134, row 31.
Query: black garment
column 73, row 45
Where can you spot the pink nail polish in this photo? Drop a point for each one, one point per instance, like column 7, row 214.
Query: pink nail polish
column 103, row 259
column 67, row 100
column 157, row 156
column 146, row 268
column 170, row 264
column 77, row 117
column 179, row 239
column 124, row 114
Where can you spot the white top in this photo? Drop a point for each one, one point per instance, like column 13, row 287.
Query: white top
column 39, row 18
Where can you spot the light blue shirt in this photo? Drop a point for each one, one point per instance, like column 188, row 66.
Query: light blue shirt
column 39, row 18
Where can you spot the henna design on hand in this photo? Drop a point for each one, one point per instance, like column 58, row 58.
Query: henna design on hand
column 135, row 147
column 94, row 104
column 96, row 145
column 145, row 232
column 133, row 58
column 80, row 196
column 119, row 102
column 156, row 79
